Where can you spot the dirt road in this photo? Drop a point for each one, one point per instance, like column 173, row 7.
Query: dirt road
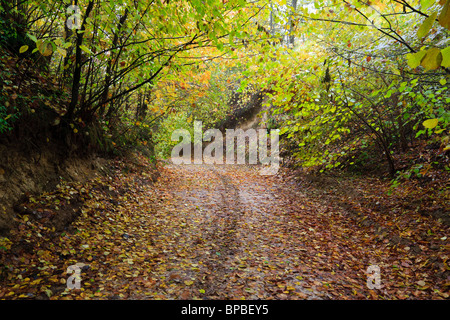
column 214, row 232
column 226, row 232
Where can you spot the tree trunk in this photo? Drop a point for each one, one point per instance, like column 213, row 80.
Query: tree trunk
column 291, row 23
column 112, row 61
column 78, row 66
column 66, row 79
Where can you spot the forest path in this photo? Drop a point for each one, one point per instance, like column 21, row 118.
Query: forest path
column 227, row 232
column 215, row 232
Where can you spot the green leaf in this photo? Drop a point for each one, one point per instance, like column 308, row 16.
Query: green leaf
column 85, row 49
column 445, row 57
column 425, row 4
column 32, row 37
column 414, row 59
column 430, row 123
column 48, row 292
column 426, row 26
column 432, row 59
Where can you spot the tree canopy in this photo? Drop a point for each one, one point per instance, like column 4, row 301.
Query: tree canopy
column 338, row 77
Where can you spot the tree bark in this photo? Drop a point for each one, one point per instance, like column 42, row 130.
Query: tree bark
column 111, row 62
column 291, row 23
column 78, row 66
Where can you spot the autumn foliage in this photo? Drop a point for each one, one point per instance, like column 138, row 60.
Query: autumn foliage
column 358, row 89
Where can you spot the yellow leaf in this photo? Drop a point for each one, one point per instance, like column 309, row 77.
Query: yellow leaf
column 445, row 57
column 63, row 52
column 414, row 59
column 5, row 242
column 23, row 49
column 37, row 281
column 432, row 59
column 426, row 26
column 188, row 282
column 430, row 123
column 45, row 48
column 444, row 16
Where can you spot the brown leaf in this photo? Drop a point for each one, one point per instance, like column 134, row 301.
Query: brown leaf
column 185, row 295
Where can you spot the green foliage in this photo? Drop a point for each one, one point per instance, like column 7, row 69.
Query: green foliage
column 357, row 78
column 341, row 93
column 7, row 32
column 206, row 100
column 8, row 113
column 213, row 105
column 6, row 119
column 164, row 143
column 115, row 62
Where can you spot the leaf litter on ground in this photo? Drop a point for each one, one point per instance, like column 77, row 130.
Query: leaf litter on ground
column 215, row 232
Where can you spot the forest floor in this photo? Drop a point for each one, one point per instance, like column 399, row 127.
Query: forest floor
column 219, row 232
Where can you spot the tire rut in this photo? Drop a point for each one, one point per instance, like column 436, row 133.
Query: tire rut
column 223, row 234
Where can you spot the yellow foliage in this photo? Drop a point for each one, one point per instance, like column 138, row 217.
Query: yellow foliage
column 6, row 243
column 205, row 77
